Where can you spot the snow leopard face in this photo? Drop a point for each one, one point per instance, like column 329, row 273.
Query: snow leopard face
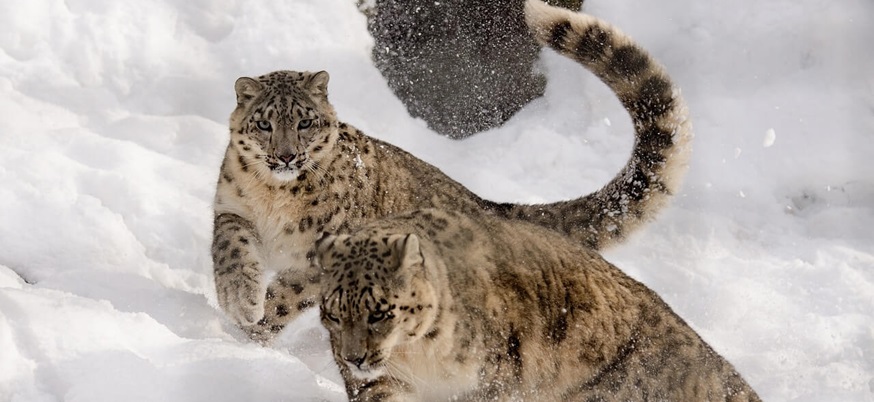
column 374, row 297
column 283, row 124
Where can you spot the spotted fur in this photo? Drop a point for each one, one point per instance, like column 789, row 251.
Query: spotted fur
column 436, row 305
column 292, row 170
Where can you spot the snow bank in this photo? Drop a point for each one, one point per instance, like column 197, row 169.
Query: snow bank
column 114, row 125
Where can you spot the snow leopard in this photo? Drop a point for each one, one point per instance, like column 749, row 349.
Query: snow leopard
column 293, row 169
column 438, row 305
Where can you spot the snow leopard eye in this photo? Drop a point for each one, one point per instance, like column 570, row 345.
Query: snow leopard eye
column 377, row 316
column 332, row 317
column 263, row 125
column 304, row 124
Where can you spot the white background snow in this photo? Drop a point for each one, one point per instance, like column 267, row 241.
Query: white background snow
column 113, row 123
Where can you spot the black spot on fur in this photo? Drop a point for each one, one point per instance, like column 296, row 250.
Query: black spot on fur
column 305, row 224
column 305, row 304
column 558, row 34
column 281, row 310
column 432, row 334
column 296, row 288
column 653, row 140
column 629, row 61
column 613, row 368
column 652, row 101
column 557, row 326
column 514, row 352
column 593, row 44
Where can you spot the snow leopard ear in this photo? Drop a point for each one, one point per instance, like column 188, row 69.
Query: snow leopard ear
column 325, row 242
column 247, row 89
column 408, row 251
column 323, row 245
column 318, row 83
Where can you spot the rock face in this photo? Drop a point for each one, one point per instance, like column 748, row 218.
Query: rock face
column 463, row 66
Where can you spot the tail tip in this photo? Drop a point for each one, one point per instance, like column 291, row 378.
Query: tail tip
column 536, row 11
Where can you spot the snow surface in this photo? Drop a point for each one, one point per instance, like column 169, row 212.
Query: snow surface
column 114, row 122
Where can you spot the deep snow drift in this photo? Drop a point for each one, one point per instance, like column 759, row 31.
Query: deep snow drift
column 114, row 122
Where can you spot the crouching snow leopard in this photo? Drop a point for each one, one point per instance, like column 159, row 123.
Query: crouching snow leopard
column 293, row 170
column 438, row 306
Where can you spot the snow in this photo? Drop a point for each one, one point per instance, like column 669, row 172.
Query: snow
column 114, row 123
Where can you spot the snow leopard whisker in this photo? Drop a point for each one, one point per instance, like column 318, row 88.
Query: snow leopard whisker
column 399, row 373
column 319, row 171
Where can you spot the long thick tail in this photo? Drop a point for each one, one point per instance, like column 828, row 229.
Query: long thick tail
column 663, row 132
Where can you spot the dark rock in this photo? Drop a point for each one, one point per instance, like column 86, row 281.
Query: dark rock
column 463, row 66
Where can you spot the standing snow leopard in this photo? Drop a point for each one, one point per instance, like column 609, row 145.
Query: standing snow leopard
column 438, row 306
column 293, row 170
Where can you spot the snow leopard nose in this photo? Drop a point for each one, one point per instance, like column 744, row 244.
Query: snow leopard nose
column 287, row 158
column 356, row 360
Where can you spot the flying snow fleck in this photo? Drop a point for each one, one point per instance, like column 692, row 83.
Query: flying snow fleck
column 770, row 137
